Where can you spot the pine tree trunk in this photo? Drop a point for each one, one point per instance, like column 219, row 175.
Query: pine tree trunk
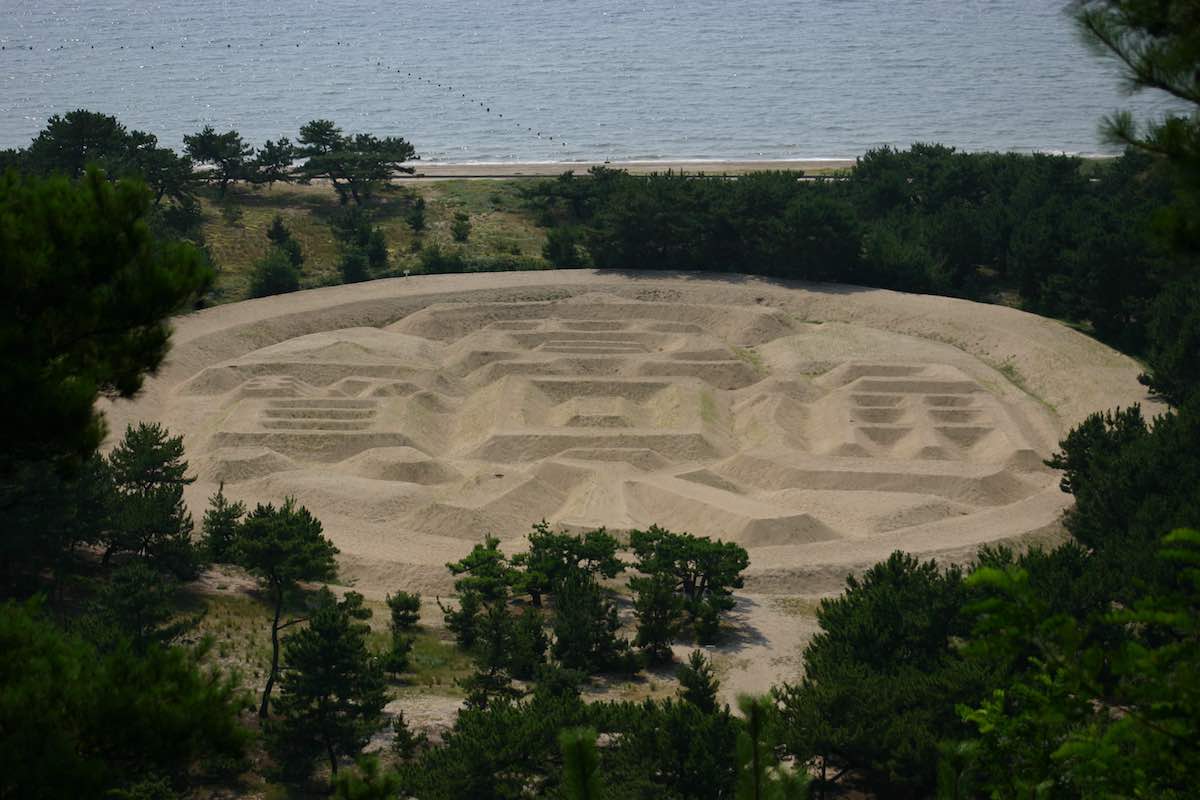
column 264, row 708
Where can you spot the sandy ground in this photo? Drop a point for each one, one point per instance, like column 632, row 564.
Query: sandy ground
column 820, row 426
column 534, row 169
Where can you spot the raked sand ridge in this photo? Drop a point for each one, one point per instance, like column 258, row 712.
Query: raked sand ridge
column 819, row 426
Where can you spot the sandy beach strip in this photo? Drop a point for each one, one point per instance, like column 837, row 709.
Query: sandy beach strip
column 552, row 168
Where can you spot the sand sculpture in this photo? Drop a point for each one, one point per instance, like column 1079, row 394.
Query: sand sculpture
column 819, row 446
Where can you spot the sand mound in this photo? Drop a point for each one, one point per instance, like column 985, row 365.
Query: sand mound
column 415, row 415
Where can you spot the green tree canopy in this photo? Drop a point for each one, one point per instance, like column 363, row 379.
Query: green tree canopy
column 220, row 527
column 87, row 292
column 137, row 604
column 227, row 156
column 355, row 165
column 881, row 678
column 77, row 722
column 151, row 520
column 585, row 629
column 1090, row 717
column 73, row 141
column 281, row 547
column 552, row 556
column 332, row 690
column 704, row 572
column 1131, row 481
column 273, row 162
column 274, row 273
column 485, row 571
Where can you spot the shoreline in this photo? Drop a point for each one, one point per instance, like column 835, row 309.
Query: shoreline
column 541, row 169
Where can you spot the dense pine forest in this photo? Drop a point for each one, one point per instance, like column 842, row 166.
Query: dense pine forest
column 1064, row 672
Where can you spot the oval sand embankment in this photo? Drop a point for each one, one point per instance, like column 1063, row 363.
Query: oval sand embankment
column 820, row 426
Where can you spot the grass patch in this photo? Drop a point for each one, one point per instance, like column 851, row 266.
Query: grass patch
column 751, row 357
column 1009, row 370
column 796, row 606
column 436, row 664
column 235, row 227
column 708, row 408
column 240, row 628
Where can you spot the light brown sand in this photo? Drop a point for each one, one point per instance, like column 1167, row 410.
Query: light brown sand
column 820, row 426
column 527, row 169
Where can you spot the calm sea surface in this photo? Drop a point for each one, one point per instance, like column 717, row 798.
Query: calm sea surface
column 692, row 79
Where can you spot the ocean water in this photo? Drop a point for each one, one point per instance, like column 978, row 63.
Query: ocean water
column 541, row 80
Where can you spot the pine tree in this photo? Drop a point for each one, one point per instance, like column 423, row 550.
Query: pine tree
column 273, row 162
column 367, row 781
column 460, row 229
column 697, row 683
column 282, row 547
column 552, row 556
column 760, row 776
column 659, row 612
column 149, row 473
column 484, row 570
column 405, row 743
column 463, row 621
column 275, row 273
column 527, row 651
column 332, row 691
column 137, row 603
column 219, row 527
column 585, row 628
column 581, row 764
column 492, row 678
column 415, row 215
column 405, row 611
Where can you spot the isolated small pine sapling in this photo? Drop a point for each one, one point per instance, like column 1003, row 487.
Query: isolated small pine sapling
column 698, row 683
column 460, row 229
column 377, row 250
column 354, row 266
column 277, row 232
column 405, row 743
column 219, row 527
column 405, row 611
column 275, row 273
column 415, row 215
